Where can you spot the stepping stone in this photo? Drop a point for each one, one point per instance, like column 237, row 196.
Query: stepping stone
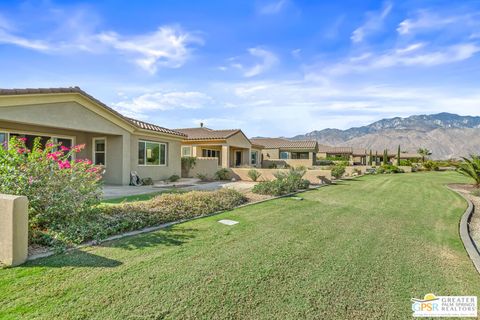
column 228, row 222
column 296, row 198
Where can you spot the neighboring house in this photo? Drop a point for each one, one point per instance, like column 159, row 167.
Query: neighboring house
column 354, row 156
column 279, row 151
column 71, row 116
column 230, row 147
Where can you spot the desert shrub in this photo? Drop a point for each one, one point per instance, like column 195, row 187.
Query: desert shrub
column 338, row 171
column 222, row 174
column 272, row 166
column 118, row 218
column 430, row 165
column 147, row 181
column 324, row 162
column 202, row 177
column 254, row 174
column 389, row 168
column 174, row 178
column 405, row 162
column 60, row 190
column 283, row 184
column 338, row 158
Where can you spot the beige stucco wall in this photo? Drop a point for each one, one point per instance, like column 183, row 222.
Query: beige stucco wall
column 290, row 162
column 206, row 166
column 270, row 154
column 13, row 229
column 172, row 167
column 239, row 140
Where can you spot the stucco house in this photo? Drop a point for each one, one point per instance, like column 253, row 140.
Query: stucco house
column 279, row 151
column 231, row 147
column 71, row 116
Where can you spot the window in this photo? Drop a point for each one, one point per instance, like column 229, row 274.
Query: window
column 299, row 155
column 152, row 153
column 99, row 151
column 210, row 153
column 186, row 151
column 3, row 139
column 254, row 157
column 284, row 155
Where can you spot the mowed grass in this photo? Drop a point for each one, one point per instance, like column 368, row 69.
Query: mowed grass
column 357, row 250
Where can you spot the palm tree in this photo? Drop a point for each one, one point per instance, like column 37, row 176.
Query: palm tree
column 424, row 152
column 471, row 169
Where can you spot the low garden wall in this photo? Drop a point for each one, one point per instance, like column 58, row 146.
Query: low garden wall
column 268, row 174
column 205, row 166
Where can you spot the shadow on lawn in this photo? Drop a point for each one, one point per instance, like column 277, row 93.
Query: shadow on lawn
column 165, row 237
column 76, row 258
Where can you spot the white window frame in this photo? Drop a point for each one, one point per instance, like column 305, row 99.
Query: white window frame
column 94, row 144
column 145, row 154
column 190, row 151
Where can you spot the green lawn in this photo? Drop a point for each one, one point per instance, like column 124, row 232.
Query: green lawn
column 357, row 250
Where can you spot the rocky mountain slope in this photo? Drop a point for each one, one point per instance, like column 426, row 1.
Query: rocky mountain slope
column 447, row 135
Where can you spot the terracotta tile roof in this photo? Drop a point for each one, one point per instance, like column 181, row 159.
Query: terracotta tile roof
column 136, row 123
column 204, row 133
column 276, row 143
column 153, row 127
column 330, row 149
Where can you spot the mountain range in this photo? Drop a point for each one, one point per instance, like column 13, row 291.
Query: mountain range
column 447, row 135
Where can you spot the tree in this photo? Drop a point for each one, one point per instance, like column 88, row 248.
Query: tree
column 398, row 156
column 471, row 168
column 424, row 152
column 385, row 157
column 370, row 158
column 376, row 157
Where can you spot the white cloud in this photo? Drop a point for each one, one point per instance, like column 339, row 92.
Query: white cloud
column 268, row 60
column 416, row 54
column 273, row 7
column 165, row 101
column 166, row 47
column 426, row 20
column 373, row 23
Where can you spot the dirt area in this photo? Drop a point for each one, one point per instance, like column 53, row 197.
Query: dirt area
column 466, row 190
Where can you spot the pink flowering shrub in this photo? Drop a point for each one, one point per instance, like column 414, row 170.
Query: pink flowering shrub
column 60, row 190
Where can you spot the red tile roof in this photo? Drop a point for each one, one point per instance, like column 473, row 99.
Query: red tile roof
column 134, row 122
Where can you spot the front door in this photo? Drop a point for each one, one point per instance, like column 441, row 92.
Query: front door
column 238, row 158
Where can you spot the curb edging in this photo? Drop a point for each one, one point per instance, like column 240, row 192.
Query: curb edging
column 464, row 230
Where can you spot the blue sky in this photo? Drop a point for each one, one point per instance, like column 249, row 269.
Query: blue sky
column 270, row 67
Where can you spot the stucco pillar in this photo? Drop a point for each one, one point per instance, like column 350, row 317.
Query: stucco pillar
column 13, row 229
column 225, row 156
column 195, row 152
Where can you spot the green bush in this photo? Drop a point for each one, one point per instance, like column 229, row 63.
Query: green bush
column 338, row 171
column 405, row 163
column 174, row 178
column 147, row 181
column 430, row 165
column 254, row 174
column 283, row 184
column 338, row 158
column 389, row 168
column 324, row 162
column 118, row 218
column 60, row 190
column 222, row 174
column 202, row 177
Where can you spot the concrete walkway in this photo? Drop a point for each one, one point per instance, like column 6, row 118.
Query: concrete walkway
column 110, row 192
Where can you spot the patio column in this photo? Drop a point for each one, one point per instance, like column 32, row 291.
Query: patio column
column 13, row 229
column 225, row 156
